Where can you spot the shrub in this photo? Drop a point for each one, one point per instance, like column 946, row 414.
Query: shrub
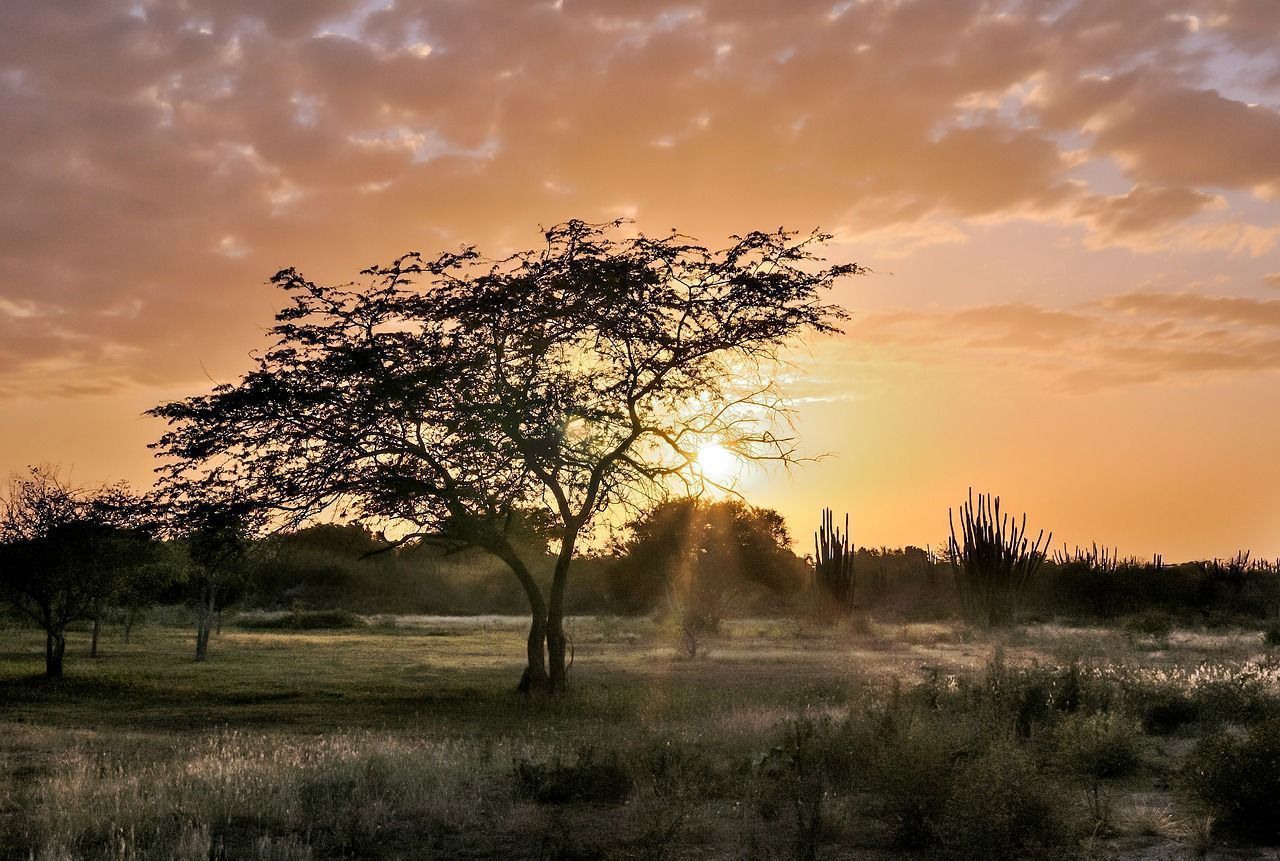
column 1167, row 712
column 1001, row 808
column 1153, row 625
column 1238, row 779
column 913, row 773
column 300, row 620
column 1271, row 636
column 590, row 777
column 1244, row 698
column 794, row 776
column 672, row 767
column 1097, row 745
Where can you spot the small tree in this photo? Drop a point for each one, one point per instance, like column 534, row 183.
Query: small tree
column 117, row 553
column 574, row 377
column 217, row 535
column 65, row 551
column 148, row 583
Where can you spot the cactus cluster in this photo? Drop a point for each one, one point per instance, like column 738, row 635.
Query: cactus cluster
column 833, row 563
column 992, row 559
column 1095, row 558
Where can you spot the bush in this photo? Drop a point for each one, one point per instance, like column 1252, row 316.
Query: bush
column 913, row 773
column 1001, row 808
column 1097, row 745
column 1271, row 636
column 589, row 777
column 1238, row 779
column 1168, row 712
column 794, row 776
column 1152, row 625
column 675, row 768
column 1243, row 699
column 300, row 620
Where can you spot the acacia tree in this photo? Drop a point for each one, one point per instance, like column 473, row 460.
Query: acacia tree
column 216, row 534
column 448, row 393
column 64, row 552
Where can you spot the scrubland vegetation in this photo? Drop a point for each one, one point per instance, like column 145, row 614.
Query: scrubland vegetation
column 695, row 689
column 728, row 700
column 402, row 738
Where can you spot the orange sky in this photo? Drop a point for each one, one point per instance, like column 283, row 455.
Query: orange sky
column 1072, row 208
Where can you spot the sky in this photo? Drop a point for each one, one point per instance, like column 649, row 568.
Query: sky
column 1071, row 211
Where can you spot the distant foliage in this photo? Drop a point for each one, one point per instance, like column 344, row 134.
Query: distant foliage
column 992, row 559
column 703, row 551
column 300, row 620
column 1154, row 625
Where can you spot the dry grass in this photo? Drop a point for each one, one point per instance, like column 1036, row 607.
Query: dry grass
column 399, row 740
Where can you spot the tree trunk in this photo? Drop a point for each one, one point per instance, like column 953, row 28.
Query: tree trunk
column 205, row 623
column 534, row 678
column 55, row 646
column 558, row 671
column 128, row 627
column 97, row 629
column 218, row 629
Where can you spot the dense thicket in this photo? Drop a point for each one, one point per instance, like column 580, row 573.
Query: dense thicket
column 708, row 553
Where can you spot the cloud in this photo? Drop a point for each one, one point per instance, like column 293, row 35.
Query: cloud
column 166, row 157
column 1123, row 339
column 1231, row 310
column 1145, row 210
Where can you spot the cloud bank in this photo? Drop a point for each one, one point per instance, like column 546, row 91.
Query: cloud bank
column 160, row 159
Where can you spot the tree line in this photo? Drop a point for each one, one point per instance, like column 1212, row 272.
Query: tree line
column 71, row 555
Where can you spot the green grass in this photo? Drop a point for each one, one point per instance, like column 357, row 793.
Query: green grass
column 405, row 739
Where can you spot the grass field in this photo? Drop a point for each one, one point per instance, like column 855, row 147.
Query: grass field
column 405, row 740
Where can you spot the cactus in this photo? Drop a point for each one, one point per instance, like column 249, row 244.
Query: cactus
column 833, row 563
column 993, row 560
column 1097, row 559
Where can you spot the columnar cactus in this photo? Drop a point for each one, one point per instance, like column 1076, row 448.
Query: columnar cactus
column 833, row 563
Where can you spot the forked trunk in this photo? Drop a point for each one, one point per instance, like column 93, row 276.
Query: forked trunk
column 557, row 642
column 55, row 646
column 534, row 677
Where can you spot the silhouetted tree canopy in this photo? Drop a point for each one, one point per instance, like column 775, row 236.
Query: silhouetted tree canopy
column 65, row 551
column 217, row 532
column 441, row 395
column 705, row 550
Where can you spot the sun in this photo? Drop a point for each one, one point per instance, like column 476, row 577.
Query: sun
column 718, row 464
